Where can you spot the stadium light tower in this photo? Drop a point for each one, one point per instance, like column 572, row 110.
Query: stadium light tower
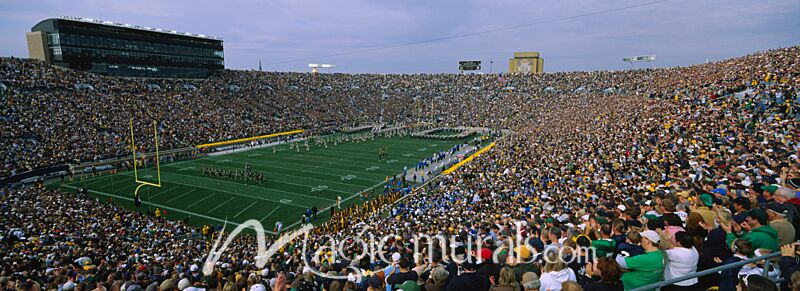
column 314, row 68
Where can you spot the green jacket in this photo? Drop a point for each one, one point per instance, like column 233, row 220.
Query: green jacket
column 762, row 237
column 604, row 247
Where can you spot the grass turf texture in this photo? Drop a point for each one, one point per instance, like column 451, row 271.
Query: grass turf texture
column 294, row 181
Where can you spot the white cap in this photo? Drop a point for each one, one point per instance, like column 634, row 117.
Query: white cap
column 651, row 236
column 621, row 207
column 258, row 287
column 264, row 272
column 183, row 284
column 68, row 286
column 193, row 268
column 395, row 257
column 272, row 282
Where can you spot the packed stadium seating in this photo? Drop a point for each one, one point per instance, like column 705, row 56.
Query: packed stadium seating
column 698, row 163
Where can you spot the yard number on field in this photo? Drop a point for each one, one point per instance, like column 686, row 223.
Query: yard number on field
column 319, row 188
column 348, row 177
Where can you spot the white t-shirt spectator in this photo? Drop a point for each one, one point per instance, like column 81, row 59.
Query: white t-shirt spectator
column 682, row 262
column 552, row 280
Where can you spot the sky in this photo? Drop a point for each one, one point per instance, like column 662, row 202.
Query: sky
column 427, row 36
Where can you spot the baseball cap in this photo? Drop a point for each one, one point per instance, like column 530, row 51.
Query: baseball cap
column 194, row 268
column 258, row 287
column 523, row 252
column 68, row 286
column 770, row 188
column 776, row 207
column 395, row 257
column 183, row 284
column 650, row 235
column 794, row 182
column 486, row 254
column 707, row 200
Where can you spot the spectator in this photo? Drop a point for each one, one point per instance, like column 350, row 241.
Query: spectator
column 507, row 281
column 555, row 272
column 405, row 274
column 470, row 279
column 789, row 267
column 683, row 258
column 743, row 249
column 705, row 209
column 437, row 280
column 571, row 286
column 776, row 213
column 755, row 283
column 604, row 275
column 647, row 268
column 761, row 235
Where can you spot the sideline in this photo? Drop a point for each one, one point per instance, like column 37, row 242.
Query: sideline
column 468, row 159
column 200, row 146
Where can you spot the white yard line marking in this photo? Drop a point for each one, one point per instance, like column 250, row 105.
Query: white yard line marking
column 164, row 192
column 179, row 196
column 218, row 206
column 245, row 209
column 198, row 201
column 270, row 213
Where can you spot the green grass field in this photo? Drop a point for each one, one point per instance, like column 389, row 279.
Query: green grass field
column 294, row 181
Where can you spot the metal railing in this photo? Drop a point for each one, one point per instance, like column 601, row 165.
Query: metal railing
column 765, row 258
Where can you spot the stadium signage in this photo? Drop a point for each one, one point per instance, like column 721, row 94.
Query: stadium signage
column 646, row 58
column 469, row 65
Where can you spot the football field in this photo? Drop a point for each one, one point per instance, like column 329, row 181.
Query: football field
column 294, row 181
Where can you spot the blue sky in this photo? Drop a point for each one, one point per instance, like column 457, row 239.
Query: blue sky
column 374, row 36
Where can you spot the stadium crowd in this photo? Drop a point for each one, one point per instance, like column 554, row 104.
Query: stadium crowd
column 659, row 173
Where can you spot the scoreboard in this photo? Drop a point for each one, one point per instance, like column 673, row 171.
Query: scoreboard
column 469, row 65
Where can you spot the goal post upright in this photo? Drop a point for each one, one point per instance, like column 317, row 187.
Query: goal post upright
column 136, row 170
